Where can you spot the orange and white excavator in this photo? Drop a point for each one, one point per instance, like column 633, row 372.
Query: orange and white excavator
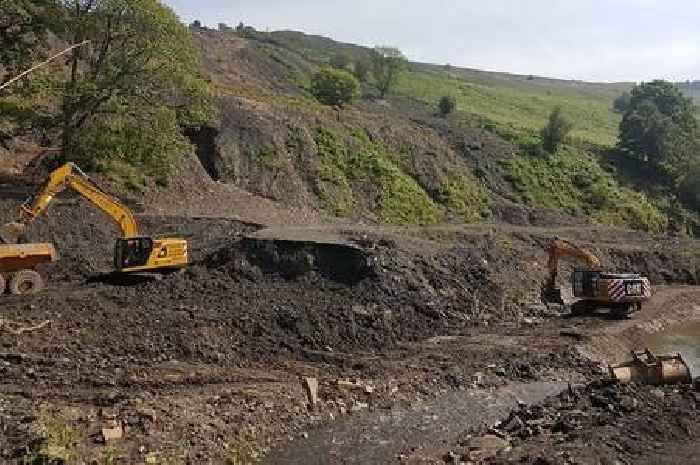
column 621, row 293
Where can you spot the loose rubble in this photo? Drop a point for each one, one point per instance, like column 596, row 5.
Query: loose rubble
column 599, row 423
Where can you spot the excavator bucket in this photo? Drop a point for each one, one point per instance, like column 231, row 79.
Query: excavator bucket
column 552, row 295
column 648, row 368
column 11, row 233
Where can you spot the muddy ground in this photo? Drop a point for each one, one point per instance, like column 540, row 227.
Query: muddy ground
column 204, row 366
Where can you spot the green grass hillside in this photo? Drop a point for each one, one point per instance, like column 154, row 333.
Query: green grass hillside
column 576, row 181
column 513, row 104
column 520, row 105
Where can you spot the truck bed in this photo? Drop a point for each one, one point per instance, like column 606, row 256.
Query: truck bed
column 15, row 257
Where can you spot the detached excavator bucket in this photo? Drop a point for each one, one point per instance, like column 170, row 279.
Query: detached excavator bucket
column 647, row 368
column 11, row 233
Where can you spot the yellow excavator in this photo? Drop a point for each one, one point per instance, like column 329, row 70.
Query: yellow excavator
column 133, row 251
column 621, row 293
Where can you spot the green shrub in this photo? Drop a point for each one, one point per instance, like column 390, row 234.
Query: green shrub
column 349, row 167
column 556, row 131
column 402, row 200
column 466, row 197
column 152, row 141
column 622, row 103
column 335, row 87
column 388, row 64
column 573, row 181
column 447, row 104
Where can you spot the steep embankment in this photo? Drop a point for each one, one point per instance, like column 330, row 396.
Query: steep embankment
column 395, row 161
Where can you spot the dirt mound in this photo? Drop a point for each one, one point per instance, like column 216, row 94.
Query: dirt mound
column 601, row 423
column 287, row 298
column 257, row 299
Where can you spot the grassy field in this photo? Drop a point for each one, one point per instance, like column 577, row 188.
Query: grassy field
column 513, row 105
column 517, row 105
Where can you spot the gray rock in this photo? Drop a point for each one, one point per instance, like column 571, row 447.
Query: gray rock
column 311, row 388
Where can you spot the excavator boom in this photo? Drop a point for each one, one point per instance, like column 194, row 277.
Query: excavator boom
column 561, row 249
column 70, row 176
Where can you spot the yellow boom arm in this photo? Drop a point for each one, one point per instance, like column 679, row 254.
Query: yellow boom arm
column 70, row 176
column 560, row 249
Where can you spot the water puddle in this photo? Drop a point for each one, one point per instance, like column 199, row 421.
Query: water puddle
column 685, row 341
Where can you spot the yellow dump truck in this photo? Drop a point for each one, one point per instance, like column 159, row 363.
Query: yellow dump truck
column 18, row 264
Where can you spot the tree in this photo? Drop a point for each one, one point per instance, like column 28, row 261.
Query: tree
column 129, row 92
column 335, row 87
column 556, row 131
column 24, row 28
column 361, row 69
column 447, row 104
column 659, row 129
column 622, row 103
column 689, row 186
column 388, row 63
column 340, row 60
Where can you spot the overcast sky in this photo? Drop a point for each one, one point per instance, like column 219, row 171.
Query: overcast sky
column 595, row 40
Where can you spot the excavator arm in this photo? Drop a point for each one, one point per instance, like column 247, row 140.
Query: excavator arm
column 70, row 176
column 560, row 249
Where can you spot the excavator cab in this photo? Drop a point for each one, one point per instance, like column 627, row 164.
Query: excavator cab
column 132, row 252
column 585, row 283
column 142, row 254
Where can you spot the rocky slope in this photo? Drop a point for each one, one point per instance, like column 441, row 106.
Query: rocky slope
column 394, row 161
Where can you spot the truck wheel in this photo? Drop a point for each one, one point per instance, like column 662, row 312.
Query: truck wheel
column 3, row 285
column 26, row 282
